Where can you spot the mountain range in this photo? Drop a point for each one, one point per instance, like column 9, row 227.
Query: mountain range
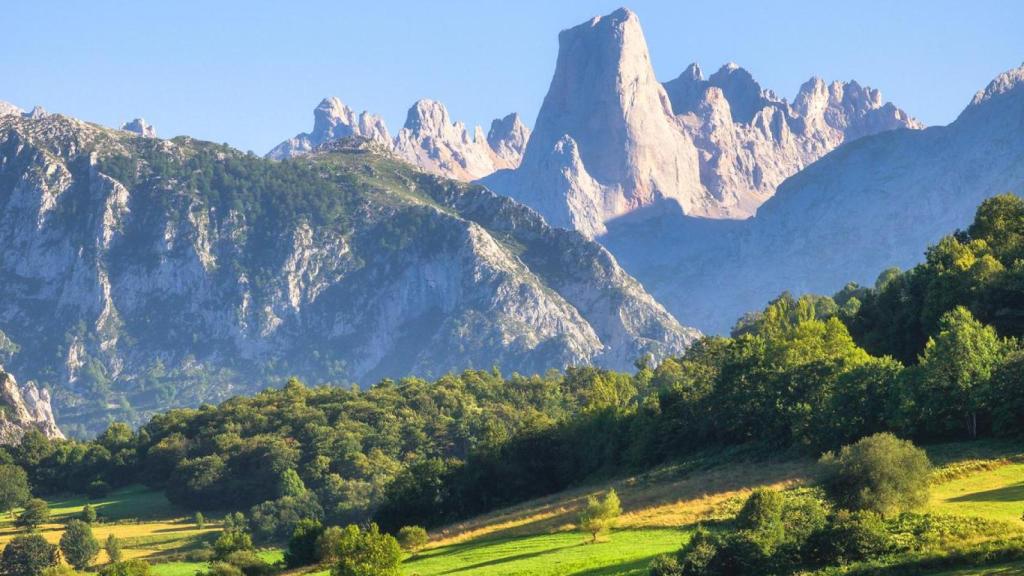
column 143, row 273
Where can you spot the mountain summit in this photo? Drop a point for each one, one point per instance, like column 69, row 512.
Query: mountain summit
column 611, row 140
column 606, row 141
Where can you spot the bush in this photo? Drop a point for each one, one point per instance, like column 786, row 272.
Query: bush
column 665, row 565
column 35, row 514
column 249, row 563
column 302, row 549
column 761, row 515
column 697, row 555
column 200, row 520
column 880, row 473
column 367, row 553
column 849, row 537
column 88, row 514
column 742, row 552
column 79, row 545
column 328, row 545
column 134, row 567
column 28, row 556
column 113, row 548
column 59, row 570
column 412, row 538
column 231, row 540
column 223, row 569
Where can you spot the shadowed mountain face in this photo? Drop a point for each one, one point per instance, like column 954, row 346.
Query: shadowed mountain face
column 871, row 204
column 141, row 274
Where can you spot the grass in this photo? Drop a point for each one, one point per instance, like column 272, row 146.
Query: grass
column 624, row 552
column 997, row 494
column 1013, row 569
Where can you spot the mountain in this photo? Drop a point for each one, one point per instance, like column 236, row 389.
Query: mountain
column 23, row 408
column 142, row 273
column 750, row 140
column 606, row 141
column 611, row 140
column 429, row 139
column 870, row 204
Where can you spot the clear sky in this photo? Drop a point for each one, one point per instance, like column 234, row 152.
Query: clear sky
column 249, row 73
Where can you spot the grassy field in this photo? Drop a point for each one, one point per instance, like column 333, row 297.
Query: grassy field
column 625, row 552
column 146, row 524
column 660, row 510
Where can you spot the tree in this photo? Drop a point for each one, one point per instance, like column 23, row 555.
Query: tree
column 599, row 516
column 880, row 473
column 367, row 553
column 14, row 489
column 79, row 545
column 956, row 367
column 200, row 520
column 328, row 545
column 302, row 544
column 88, row 514
column 761, row 515
column 28, row 555
column 291, row 483
column 412, row 538
column 35, row 514
column 113, row 548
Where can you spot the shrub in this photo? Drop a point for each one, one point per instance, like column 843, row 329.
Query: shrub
column 35, row 514
column 849, row 537
column 88, row 514
column 412, row 538
column 134, row 567
column 223, row 569
column 232, row 540
column 28, row 556
column 79, row 545
column 328, row 545
column 697, row 555
column 249, row 563
column 113, row 548
column 200, row 520
column 367, row 553
column 59, row 570
column 880, row 473
column 761, row 515
column 665, row 565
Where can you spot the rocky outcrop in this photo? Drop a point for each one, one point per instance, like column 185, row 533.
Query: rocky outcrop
column 605, row 107
column 871, row 204
column 750, row 140
column 8, row 108
column 716, row 147
column 23, row 408
column 333, row 120
column 429, row 140
column 131, row 283
column 140, row 127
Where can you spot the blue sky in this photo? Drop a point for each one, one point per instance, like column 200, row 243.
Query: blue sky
column 250, row 73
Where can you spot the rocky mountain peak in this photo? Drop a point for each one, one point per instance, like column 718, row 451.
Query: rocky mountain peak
column 1007, row 82
column 604, row 95
column 744, row 94
column 431, row 117
column 140, row 127
column 508, row 137
column 333, row 120
column 23, row 408
column 8, row 108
